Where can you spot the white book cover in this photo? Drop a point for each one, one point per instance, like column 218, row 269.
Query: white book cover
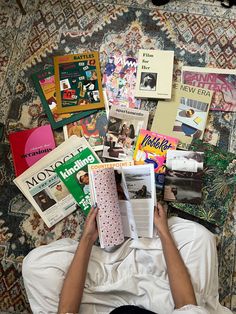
column 42, row 186
column 154, row 74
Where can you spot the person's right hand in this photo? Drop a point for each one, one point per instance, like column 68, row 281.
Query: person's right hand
column 160, row 219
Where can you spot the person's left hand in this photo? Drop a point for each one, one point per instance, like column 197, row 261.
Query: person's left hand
column 90, row 228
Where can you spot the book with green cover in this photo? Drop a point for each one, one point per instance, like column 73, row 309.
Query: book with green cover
column 74, row 174
column 44, row 83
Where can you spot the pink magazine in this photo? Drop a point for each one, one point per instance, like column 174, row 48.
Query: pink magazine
column 109, row 217
column 221, row 81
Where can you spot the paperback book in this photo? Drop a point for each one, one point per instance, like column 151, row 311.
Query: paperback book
column 125, row 197
column 185, row 115
column 41, row 185
column 154, row 74
column 44, row 82
column 151, row 148
column 78, row 82
column 221, row 81
column 119, row 80
column 29, row 146
column 122, row 131
column 184, row 177
column 74, row 174
column 93, row 128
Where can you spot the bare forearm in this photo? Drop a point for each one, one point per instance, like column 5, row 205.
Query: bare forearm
column 73, row 286
column 179, row 279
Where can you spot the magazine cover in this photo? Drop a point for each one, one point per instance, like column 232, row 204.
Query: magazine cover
column 152, row 147
column 184, row 177
column 78, row 82
column 154, row 74
column 221, row 130
column 122, row 131
column 185, row 115
column 119, row 81
column 221, row 81
column 74, row 174
column 29, row 146
column 93, row 128
column 42, row 186
column 44, row 82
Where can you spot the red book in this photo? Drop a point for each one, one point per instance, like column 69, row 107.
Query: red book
column 29, row 146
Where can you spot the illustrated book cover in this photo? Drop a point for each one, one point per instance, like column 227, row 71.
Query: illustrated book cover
column 29, row 146
column 43, row 188
column 125, row 197
column 122, row 131
column 152, row 147
column 154, row 74
column 219, row 186
column 78, row 82
column 185, row 115
column 74, row 174
column 93, row 128
column 221, row 81
column 119, row 79
column 184, row 176
column 44, row 82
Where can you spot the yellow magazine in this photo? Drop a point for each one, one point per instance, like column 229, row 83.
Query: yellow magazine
column 78, row 82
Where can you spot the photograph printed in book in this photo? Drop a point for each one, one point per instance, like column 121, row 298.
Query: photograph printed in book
column 221, row 81
column 154, row 74
column 93, row 128
column 185, row 115
column 122, row 131
column 184, row 177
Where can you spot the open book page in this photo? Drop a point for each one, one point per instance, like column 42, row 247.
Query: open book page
column 140, row 184
column 108, row 218
column 126, row 210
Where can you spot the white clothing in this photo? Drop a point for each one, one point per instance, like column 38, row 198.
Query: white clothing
column 134, row 274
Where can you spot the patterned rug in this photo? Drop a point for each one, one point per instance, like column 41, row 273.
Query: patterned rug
column 201, row 34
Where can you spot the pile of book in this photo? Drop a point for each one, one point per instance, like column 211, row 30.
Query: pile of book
column 109, row 157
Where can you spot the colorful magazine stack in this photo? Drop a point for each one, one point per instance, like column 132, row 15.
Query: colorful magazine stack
column 110, row 154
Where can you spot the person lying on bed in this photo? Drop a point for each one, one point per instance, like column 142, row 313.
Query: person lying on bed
column 175, row 272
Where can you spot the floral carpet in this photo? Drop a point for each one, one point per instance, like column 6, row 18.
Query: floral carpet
column 201, row 33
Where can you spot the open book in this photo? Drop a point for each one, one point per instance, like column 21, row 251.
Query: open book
column 125, row 198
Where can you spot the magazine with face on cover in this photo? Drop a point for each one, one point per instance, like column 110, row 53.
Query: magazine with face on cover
column 122, row 131
column 125, row 197
column 222, row 82
column 41, row 185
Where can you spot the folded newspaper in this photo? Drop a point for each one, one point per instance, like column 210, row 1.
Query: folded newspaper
column 42, row 186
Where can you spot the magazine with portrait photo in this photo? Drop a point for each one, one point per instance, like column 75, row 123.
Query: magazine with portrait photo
column 122, row 131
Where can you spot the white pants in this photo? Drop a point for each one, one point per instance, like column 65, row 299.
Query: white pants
column 134, row 274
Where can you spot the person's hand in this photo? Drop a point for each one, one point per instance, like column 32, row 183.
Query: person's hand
column 160, row 219
column 90, row 228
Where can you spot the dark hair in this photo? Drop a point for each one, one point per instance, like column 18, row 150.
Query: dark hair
column 132, row 131
column 152, row 82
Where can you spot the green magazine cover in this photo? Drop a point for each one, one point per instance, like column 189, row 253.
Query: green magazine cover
column 44, row 83
column 74, row 174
